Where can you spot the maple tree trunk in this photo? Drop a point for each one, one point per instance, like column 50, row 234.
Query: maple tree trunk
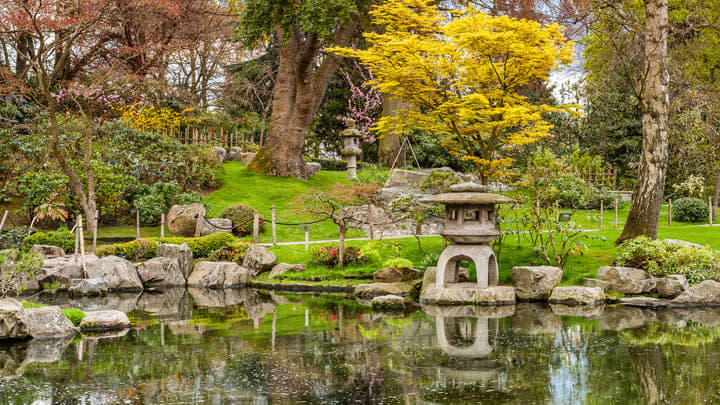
column 648, row 193
column 341, row 245
column 390, row 144
column 300, row 86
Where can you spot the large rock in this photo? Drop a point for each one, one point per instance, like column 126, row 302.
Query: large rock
column 160, row 272
column 259, row 260
column 47, row 251
column 282, row 268
column 394, row 275
column 369, row 291
column 246, row 157
column 48, row 322
column 96, row 321
column 593, row 282
column 220, row 153
column 21, row 283
column 468, row 293
column 12, row 322
column 388, row 302
column 627, row 280
column 233, row 154
column 535, row 282
column 119, row 273
column 705, row 293
column 182, row 253
column 577, row 296
column 192, row 211
column 219, row 275
column 88, row 287
column 211, row 226
column 312, row 168
column 429, row 277
column 672, row 285
column 59, row 270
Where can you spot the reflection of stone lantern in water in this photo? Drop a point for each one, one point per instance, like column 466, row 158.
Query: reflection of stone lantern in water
column 471, row 222
column 468, row 335
column 351, row 148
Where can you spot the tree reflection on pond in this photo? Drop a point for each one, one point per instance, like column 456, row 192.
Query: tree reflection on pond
column 249, row 346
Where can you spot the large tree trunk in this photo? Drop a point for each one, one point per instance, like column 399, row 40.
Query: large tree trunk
column 390, row 144
column 648, row 193
column 300, row 86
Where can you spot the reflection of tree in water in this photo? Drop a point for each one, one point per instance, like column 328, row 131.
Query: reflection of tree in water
column 674, row 365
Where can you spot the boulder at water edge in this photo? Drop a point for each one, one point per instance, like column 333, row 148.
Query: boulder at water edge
column 705, row 293
column 368, row 291
column 219, row 275
column 12, row 323
column 282, row 268
column 59, row 271
column 535, row 282
column 97, row 321
column 48, row 322
column 182, row 253
column 160, row 272
column 627, row 280
column 119, row 273
column 672, row 285
column 577, row 296
column 259, row 260
column 394, row 275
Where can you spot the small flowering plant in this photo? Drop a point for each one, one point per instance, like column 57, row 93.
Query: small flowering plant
column 327, row 255
column 233, row 253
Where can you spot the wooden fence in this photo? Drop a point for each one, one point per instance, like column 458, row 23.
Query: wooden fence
column 203, row 136
column 605, row 177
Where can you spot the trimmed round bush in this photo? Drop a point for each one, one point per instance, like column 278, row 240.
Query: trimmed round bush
column 690, row 210
column 62, row 238
column 186, row 226
column 242, row 218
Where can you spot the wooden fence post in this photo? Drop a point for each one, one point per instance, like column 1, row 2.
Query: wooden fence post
column 557, row 211
column 307, row 236
column 669, row 211
column 274, row 234
column 537, row 207
column 616, row 213
column 256, row 228
column 710, row 210
column 162, row 225
column 602, row 206
column 370, row 222
column 137, row 221
column 2, row 223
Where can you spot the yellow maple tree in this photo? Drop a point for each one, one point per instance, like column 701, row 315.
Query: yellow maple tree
column 459, row 76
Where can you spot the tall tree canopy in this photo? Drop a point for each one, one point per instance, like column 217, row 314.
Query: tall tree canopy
column 461, row 79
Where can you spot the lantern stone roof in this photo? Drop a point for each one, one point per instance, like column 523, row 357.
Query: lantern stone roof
column 470, row 193
column 351, row 130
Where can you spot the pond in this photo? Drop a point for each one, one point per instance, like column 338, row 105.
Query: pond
column 245, row 346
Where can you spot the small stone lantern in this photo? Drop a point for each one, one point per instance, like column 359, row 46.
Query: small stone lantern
column 471, row 222
column 351, row 148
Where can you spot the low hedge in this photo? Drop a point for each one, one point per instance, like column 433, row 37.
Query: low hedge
column 62, row 238
column 146, row 248
column 690, row 210
column 662, row 258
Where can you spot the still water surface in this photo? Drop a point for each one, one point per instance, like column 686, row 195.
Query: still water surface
column 248, row 347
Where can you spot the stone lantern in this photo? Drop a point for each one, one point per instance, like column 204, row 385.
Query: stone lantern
column 471, row 223
column 351, row 148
